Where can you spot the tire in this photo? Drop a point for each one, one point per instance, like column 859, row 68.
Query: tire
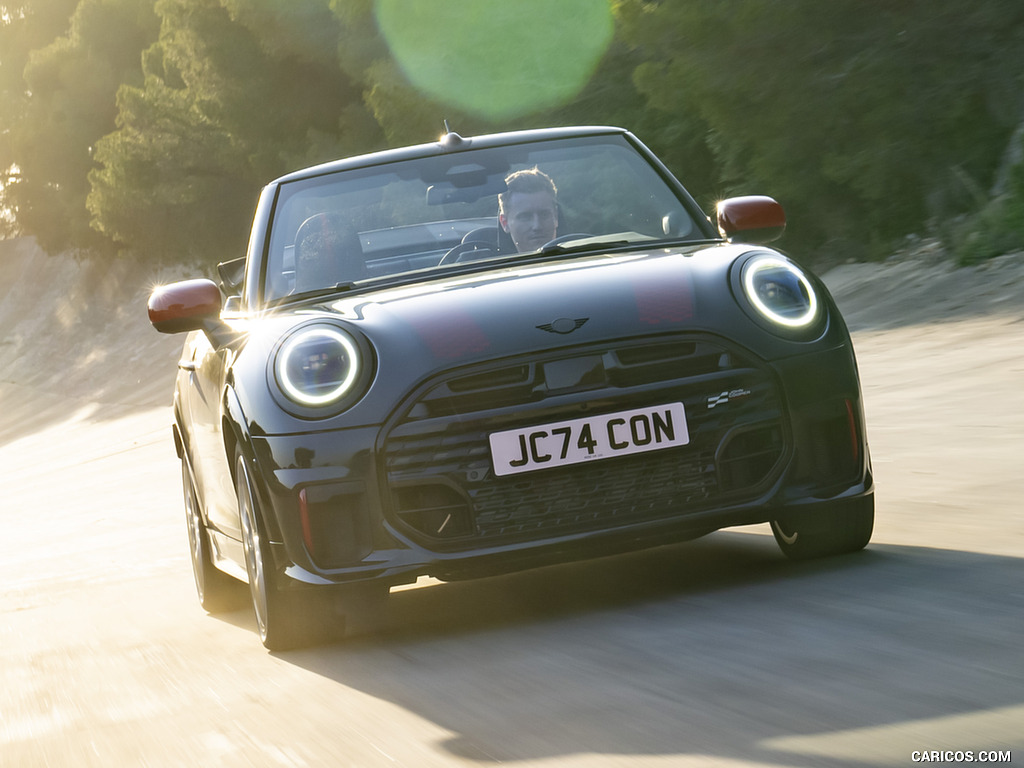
column 284, row 620
column 833, row 529
column 217, row 591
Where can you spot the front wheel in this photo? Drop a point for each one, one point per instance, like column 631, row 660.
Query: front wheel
column 843, row 526
column 284, row 620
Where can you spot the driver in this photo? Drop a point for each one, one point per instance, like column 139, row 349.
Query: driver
column 528, row 209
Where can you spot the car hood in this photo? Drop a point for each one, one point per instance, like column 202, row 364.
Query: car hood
column 534, row 306
column 515, row 311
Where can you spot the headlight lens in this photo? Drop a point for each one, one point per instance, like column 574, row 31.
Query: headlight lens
column 317, row 366
column 780, row 291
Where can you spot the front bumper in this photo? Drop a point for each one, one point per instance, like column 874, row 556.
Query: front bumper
column 416, row 495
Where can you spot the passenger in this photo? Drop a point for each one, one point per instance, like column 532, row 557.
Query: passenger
column 528, row 209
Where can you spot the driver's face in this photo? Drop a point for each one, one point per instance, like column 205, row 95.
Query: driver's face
column 531, row 220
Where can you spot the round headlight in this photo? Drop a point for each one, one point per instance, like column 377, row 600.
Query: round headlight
column 317, row 366
column 780, row 291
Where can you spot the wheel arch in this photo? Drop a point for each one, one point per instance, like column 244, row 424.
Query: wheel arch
column 238, row 441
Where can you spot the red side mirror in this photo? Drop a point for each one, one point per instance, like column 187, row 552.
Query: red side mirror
column 186, row 306
column 751, row 219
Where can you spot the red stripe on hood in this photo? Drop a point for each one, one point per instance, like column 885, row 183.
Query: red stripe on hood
column 664, row 301
column 453, row 335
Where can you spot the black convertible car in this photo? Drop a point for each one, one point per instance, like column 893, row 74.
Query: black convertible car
column 493, row 353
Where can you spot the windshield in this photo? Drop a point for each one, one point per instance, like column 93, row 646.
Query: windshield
column 395, row 220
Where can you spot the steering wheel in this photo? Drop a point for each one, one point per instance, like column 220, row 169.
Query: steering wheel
column 565, row 239
column 460, row 251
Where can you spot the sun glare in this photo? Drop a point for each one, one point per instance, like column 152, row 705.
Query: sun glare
column 530, row 63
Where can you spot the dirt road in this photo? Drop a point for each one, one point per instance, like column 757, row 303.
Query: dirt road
column 717, row 652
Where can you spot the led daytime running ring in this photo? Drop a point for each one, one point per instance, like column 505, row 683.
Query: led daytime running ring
column 333, row 335
column 767, row 262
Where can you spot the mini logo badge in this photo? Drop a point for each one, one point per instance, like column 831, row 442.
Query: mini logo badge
column 725, row 397
column 564, row 325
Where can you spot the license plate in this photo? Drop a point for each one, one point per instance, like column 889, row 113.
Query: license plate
column 588, row 439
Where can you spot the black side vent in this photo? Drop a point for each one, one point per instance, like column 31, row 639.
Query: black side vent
column 434, row 510
column 747, row 457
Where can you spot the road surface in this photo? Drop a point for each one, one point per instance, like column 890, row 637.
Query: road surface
column 712, row 653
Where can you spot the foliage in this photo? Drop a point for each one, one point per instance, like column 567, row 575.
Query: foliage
column 25, row 27
column 63, row 104
column 852, row 115
column 221, row 110
column 998, row 225
column 150, row 127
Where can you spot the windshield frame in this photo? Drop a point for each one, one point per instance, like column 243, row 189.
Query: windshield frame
column 424, row 163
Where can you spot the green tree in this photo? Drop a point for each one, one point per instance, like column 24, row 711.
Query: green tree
column 613, row 98
column 60, row 65
column 399, row 112
column 229, row 101
column 854, row 117
column 24, row 27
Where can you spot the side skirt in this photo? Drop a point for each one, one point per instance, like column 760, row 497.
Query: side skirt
column 228, row 555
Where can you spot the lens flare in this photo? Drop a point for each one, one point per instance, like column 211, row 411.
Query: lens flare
column 497, row 59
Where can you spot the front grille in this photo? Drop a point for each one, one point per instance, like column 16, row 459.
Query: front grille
column 591, row 496
column 440, row 487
